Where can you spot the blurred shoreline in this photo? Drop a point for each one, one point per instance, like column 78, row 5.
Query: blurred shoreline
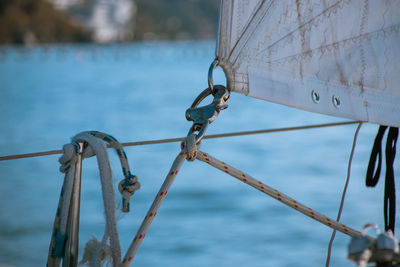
column 48, row 22
column 84, row 52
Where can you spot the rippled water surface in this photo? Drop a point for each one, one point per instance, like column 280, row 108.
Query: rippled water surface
column 140, row 92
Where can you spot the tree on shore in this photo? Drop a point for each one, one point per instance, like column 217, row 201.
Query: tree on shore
column 37, row 21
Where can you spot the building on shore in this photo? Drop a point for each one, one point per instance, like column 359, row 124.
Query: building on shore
column 109, row 21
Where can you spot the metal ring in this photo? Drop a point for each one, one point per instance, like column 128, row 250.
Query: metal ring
column 201, row 97
column 368, row 226
column 210, row 74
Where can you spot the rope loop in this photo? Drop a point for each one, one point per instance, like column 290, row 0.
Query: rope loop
column 190, row 147
column 93, row 145
column 374, row 172
column 130, row 183
column 108, row 248
column 375, row 160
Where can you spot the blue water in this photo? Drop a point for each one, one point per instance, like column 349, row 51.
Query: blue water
column 140, row 92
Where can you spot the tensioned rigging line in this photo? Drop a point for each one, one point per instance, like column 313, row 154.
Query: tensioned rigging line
column 190, row 151
column 353, row 148
column 179, row 139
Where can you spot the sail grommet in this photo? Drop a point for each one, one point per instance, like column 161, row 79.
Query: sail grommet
column 336, row 101
column 315, row 96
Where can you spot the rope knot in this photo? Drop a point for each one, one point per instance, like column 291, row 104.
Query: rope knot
column 68, row 158
column 127, row 188
column 70, row 153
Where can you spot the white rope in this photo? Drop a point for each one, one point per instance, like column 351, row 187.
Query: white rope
column 68, row 164
column 189, row 152
column 96, row 252
column 100, row 150
column 272, row 192
column 328, row 257
column 68, row 161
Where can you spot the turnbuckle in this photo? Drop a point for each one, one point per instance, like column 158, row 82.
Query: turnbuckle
column 203, row 116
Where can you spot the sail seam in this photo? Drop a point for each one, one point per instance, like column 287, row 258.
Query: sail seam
column 244, row 37
column 336, row 5
column 332, row 46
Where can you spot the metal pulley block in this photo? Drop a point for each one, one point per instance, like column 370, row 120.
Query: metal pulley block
column 383, row 249
column 360, row 247
column 388, row 241
column 386, row 246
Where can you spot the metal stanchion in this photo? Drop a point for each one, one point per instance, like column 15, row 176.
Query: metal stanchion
column 72, row 244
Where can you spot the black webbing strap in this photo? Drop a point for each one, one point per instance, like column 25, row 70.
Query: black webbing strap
column 373, row 175
column 390, row 191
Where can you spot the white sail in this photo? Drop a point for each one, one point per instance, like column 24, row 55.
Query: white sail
column 336, row 57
